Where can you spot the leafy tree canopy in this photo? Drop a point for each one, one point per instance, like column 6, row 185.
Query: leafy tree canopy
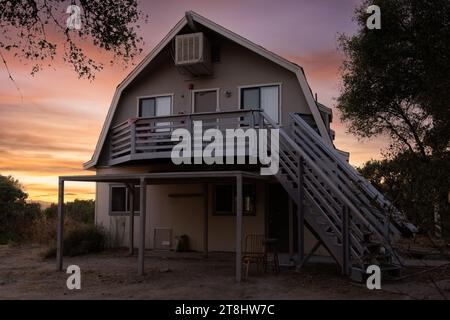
column 396, row 80
column 416, row 187
column 36, row 31
column 11, row 191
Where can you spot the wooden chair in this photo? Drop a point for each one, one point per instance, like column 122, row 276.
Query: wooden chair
column 254, row 252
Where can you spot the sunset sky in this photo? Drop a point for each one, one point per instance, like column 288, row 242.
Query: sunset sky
column 54, row 129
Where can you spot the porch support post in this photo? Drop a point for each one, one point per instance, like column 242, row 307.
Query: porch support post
column 60, row 226
column 301, row 213
column 143, row 190
column 345, row 241
column 291, row 228
column 311, row 253
column 238, row 228
column 205, row 219
column 132, row 192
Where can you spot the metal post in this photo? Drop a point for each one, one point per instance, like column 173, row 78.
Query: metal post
column 291, row 228
column 345, row 241
column 238, row 228
column 143, row 208
column 60, row 228
column 300, row 213
column 132, row 192
column 205, row 220
column 311, row 253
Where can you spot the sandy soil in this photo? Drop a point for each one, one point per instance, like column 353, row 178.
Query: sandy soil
column 112, row 275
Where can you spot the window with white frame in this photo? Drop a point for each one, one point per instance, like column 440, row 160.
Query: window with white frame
column 266, row 98
column 157, row 106
column 154, row 106
column 120, row 200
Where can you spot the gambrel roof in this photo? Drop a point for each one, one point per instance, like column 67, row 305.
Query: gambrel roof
column 189, row 19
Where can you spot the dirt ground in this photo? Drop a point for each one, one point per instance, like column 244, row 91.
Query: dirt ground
column 112, row 275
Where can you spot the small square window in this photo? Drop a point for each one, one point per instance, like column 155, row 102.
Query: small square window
column 120, row 202
column 118, row 199
column 225, row 199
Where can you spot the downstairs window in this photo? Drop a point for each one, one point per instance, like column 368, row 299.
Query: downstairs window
column 120, row 200
column 225, row 199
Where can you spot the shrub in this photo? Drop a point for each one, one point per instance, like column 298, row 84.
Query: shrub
column 16, row 215
column 82, row 240
column 43, row 229
column 82, row 211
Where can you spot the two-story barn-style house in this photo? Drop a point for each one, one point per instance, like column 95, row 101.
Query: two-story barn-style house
column 203, row 72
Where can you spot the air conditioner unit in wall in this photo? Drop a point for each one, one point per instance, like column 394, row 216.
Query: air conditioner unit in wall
column 193, row 54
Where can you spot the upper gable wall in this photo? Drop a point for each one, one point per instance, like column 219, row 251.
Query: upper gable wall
column 238, row 67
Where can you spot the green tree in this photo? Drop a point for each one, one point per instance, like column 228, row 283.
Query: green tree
column 37, row 31
column 15, row 213
column 82, row 211
column 396, row 82
column 407, row 181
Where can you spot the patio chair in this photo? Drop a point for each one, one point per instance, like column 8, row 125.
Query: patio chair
column 254, row 252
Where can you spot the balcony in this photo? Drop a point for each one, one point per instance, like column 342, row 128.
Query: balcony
column 151, row 138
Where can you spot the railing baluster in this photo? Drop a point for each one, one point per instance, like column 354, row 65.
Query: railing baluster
column 190, row 127
column 252, row 119
column 301, row 211
column 133, row 138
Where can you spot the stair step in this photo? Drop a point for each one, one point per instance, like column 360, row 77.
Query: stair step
column 319, row 195
column 371, row 244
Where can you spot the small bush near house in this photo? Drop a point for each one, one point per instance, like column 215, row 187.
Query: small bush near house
column 82, row 211
column 82, row 240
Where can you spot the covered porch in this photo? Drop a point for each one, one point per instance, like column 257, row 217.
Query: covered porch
column 143, row 180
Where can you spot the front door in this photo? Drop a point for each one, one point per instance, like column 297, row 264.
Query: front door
column 205, row 101
column 278, row 216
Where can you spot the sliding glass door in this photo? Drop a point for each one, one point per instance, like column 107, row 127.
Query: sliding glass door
column 156, row 107
column 266, row 98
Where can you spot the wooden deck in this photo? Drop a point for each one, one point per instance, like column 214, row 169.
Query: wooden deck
column 151, row 138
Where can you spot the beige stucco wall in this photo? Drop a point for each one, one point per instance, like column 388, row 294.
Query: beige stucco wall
column 238, row 67
column 183, row 215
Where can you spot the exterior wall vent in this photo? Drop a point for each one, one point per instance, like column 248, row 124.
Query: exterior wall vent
column 193, row 54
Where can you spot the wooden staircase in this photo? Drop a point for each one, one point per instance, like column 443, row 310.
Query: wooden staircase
column 352, row 219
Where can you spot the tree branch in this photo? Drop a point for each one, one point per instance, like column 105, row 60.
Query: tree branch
column 10, row 76
column 396, row 133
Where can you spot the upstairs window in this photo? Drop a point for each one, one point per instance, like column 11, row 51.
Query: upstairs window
column 154, row 106
column 266, row 98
